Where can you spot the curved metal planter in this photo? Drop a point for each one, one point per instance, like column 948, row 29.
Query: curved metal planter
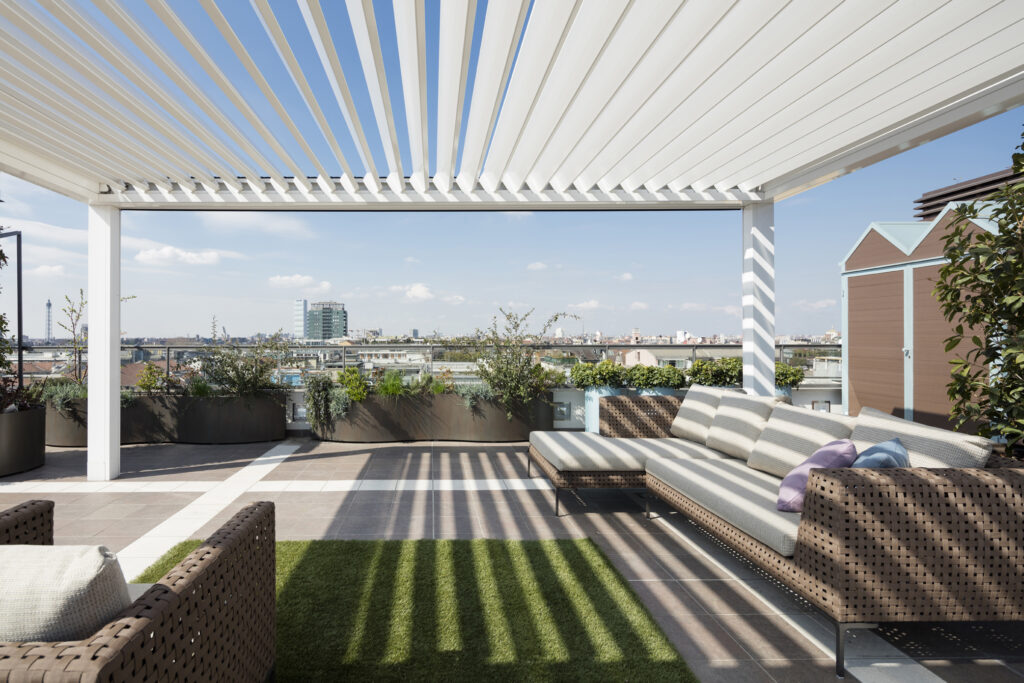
column 434, row 418
column 22, row 440
column 177, row 419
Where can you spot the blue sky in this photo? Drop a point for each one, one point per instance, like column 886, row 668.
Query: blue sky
column 659, row 271
column 450, row 272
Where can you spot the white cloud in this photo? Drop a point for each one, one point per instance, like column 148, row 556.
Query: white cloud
column 625, row 277
column 517, row 304
column 411, row 259
column 537, row 265
column 414, row 292
column 168, row 255
column 638, row 306
column 47, row 271
column 820, row 304
column 17, row 206
column 454, row 299
column 735, row 311
column 586, row 305
column 283, row 281
column 322, row 288
column 266, row 222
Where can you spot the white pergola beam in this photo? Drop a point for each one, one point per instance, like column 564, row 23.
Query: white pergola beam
column 410, row 31
column 759, row 298
column 455, row 37
column 46, row 170
column 103, row 460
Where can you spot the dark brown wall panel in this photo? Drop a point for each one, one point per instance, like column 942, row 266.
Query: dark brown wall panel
column 875, row 331
column 874, row 251
column 931, row 362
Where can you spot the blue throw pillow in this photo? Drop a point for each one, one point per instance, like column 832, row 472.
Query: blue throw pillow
column 889, row 453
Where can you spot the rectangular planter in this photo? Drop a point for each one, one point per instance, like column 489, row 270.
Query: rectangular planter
column 22, row 440
column 177, row 419
column 434, row 418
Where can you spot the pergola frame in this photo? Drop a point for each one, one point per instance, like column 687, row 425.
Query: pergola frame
column 575, row 105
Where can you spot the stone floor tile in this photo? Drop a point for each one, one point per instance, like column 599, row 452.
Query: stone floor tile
column 768, row 637
column 792, row 670
column 731, row 671
column 666, row 597
column 972, row 670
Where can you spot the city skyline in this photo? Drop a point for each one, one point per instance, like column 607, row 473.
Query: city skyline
column 434, row 271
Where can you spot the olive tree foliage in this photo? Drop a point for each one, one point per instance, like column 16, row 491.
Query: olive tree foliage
column 981, row 292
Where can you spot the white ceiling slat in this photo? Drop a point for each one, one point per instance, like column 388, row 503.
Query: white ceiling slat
column 924, row 93
column 316, row 25
column 364, row 30
column 284, row 51
column 542, row 41
column 892, row 75
column 640, row 28
column 184, row 36
column 686, row 31
column 410, row 30
column 714, row 49
column 805, row 27
column 45, row 32
column 903, row 29
column 503, row 25
column 455, row 37
column 54, row 173
column 228, row 33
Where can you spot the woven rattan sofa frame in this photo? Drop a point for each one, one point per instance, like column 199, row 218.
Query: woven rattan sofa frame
column 876, row 546
column 211, row 618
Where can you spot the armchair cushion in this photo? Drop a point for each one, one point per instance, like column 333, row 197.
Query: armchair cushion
column 58, row 593
column 927, row 446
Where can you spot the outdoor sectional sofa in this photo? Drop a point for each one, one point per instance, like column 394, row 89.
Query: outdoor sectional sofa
column 211, row 618
column 942, row 540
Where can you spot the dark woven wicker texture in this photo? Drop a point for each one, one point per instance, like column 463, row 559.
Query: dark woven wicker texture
column 638, row 416
column 211, row 618
column 30, row 523
column 587, row 480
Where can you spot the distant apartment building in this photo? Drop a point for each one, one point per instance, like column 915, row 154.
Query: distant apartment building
column 299, row 311
column 326, row 320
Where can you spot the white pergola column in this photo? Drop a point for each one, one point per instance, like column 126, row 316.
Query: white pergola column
column 104, row 296
column 759, row 298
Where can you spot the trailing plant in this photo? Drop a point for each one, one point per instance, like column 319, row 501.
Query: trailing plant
column 473, row 394
column 319, row 390
column 506, row 363
column 354, row 384
column 391, row 385
column 788, row 376
column 653, row 377
column 981, row 291
column 604, row 374
column 245, row 371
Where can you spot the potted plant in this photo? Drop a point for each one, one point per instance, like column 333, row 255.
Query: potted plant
column 787, row 378
column 728, row 372
column 979, row 291
column 22, row 422
column 603, row 379
column 653, row 380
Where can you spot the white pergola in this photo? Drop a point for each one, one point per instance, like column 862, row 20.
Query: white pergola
column 558, row 105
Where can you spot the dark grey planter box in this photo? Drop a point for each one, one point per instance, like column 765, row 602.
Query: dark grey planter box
column 434, row 418
column 22, row 440
column 177, row 419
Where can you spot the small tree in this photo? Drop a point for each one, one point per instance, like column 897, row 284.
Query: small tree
column 75, row 311
column 981, row 291
column 506, row 363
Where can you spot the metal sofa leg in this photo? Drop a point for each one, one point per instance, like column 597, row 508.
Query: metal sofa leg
column 529, row 464
column 647, row 507
column 841, row 630
column 557, row 491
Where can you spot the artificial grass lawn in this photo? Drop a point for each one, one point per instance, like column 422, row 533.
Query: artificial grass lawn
column 457, row 610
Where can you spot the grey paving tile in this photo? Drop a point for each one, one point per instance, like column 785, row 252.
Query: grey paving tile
column 793, row 670
column 768, row 637
column 731, row 671
column 972, row 671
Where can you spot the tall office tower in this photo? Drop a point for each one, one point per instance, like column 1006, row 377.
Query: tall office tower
column 326, row 320
column 299, row 311
column 49, row 321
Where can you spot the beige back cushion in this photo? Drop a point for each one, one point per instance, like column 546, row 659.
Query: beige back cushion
column 696, row 412
column 792, row 435
column 927, row 446
column 738, row 423
column 56, row 593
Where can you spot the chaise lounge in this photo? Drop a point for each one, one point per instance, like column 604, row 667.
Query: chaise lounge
column 942, row 540
column 211, row 618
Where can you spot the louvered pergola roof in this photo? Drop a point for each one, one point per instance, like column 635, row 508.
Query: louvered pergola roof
column 508, row 104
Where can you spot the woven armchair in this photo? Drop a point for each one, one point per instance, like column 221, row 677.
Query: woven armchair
column 211, row 618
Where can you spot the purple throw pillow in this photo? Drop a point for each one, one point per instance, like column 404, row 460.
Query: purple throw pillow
column 835, row 454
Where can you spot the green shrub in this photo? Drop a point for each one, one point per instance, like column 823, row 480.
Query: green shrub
column 58, row 392
column 604, row 374
column 723, row 372
column 444, row 383
column 787, row 376
column 127, row 397
column 355, row 385
column 198, row 386
column 325, row 402
column 423, row 383
column 653, row 377
column 245, row 372
column 150, row 379
column 392, row 385
column 472, row 394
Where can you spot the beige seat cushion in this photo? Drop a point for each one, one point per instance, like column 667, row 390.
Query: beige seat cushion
column 927, row 446
column 696, row 412
column 792, row 435
column 587, row 452
column 738, row 494
column 738, row 422
column 57, row 593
